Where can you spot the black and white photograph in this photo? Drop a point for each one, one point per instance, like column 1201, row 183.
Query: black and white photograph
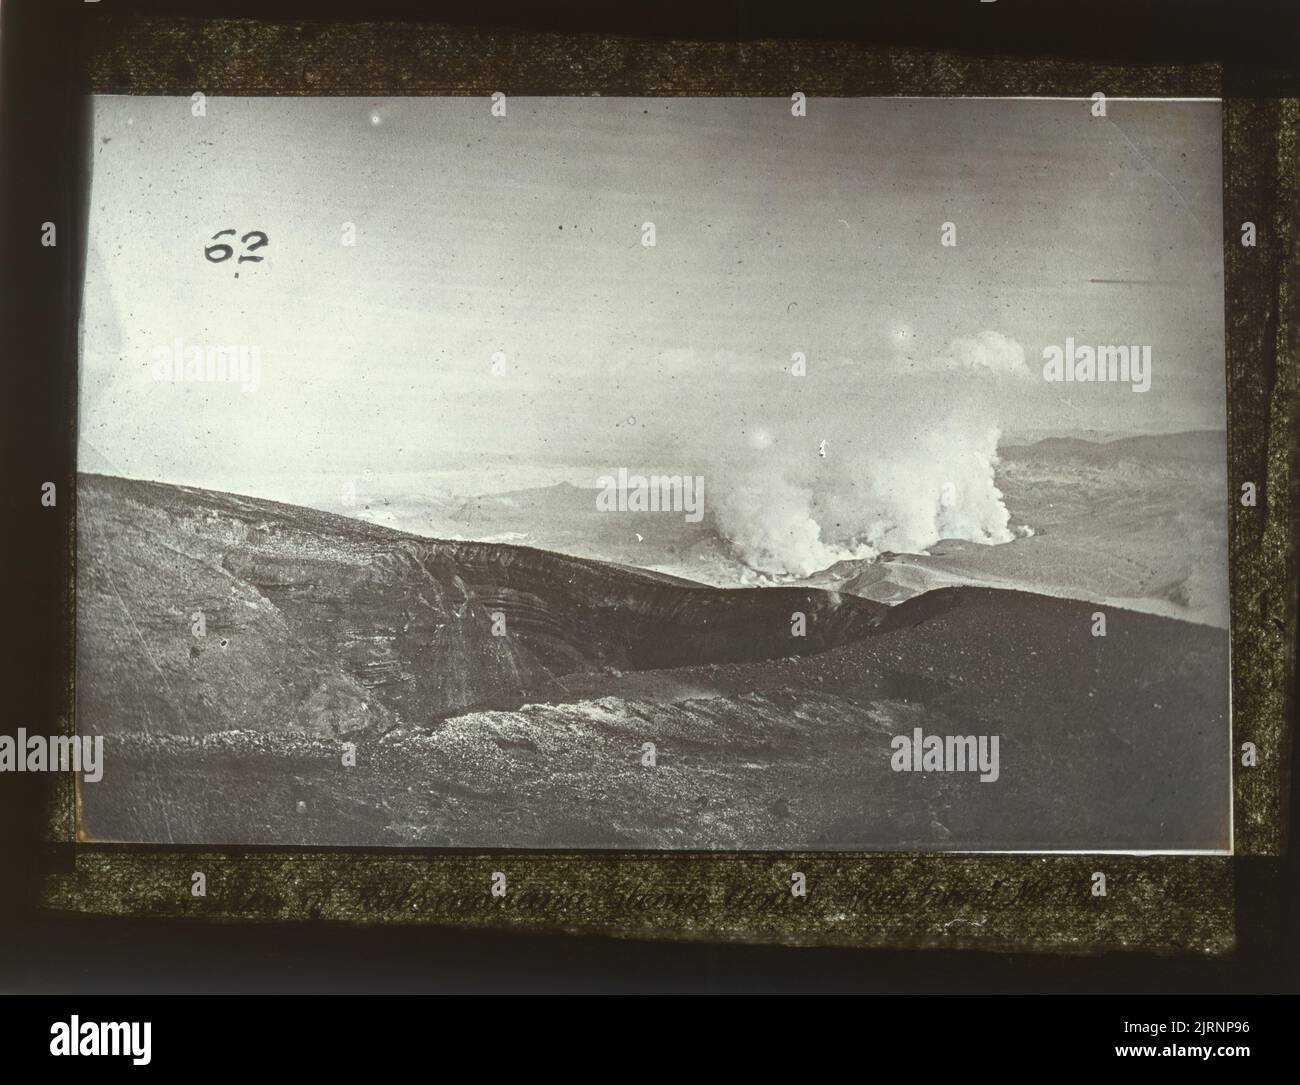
column 654, row 473
column 666, row 499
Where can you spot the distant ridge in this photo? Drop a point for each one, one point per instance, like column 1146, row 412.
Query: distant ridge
column 1199, row 446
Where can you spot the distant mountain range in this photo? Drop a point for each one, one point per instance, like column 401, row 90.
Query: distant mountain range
column 1194, row 446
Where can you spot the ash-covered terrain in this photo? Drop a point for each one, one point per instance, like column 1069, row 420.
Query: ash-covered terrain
column 499, row 696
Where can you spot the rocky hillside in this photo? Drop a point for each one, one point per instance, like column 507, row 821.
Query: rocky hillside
column 321, row 629
column 322, row 623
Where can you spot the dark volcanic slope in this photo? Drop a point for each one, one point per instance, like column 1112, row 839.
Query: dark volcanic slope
column 321, row 623
column 320, row 627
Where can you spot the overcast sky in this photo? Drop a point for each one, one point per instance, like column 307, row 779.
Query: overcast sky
column 522, row 234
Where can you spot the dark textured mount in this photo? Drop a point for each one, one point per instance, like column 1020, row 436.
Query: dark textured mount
column 329, row 624
column 316, row 628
